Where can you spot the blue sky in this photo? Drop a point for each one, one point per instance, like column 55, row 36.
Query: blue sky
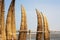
column 51, row 8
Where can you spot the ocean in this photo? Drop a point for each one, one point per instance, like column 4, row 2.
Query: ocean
column 52, row 37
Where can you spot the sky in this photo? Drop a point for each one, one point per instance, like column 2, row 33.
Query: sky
column 51, row 8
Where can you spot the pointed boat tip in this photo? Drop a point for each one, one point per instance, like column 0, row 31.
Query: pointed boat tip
column 12, row 1
column 22, row 6
column 36, row 9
